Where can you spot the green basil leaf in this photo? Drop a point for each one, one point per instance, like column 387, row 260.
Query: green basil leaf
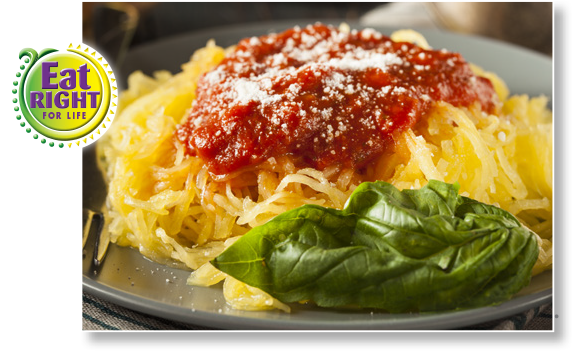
column 412, row 250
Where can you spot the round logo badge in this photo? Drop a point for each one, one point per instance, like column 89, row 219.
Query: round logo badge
column 65, row 98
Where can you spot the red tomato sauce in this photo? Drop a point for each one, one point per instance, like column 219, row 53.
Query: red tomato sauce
column 322, row 96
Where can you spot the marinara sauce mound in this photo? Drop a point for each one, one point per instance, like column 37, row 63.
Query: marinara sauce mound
column 321, row 96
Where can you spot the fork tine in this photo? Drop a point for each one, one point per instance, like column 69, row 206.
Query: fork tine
column 102, row 241
column 87, row 222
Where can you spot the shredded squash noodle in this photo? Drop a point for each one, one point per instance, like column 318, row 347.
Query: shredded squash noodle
column 166, row 204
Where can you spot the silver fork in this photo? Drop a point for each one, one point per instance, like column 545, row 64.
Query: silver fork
column 94, row 228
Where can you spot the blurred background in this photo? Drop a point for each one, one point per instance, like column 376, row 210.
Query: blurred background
column 115, row 28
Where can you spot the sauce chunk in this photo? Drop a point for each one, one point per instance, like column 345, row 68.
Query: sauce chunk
column 322, row 96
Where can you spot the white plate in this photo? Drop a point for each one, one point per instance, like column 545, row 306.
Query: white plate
column 129, row 280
